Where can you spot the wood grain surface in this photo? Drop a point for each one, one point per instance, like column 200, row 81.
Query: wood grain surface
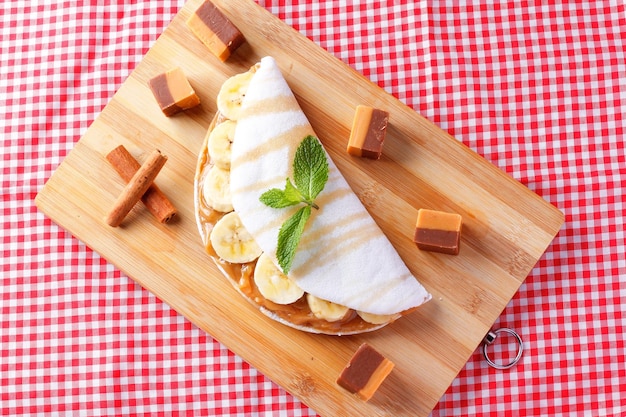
column 506, row 226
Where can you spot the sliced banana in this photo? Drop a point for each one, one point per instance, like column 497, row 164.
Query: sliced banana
column 326, row 310
column 231, row 95
column 232, row 242
column 273, row 284
column 377, row 318
column 220, row 142
column 216, row 189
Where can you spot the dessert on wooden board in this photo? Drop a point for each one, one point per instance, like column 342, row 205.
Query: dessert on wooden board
column 523, row 234
column 344, row 274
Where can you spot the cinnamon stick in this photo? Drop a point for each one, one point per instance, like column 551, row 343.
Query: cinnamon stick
column 136, row 187
column 154, row 199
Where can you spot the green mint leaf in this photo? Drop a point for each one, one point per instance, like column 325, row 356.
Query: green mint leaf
column 289, row 237
column 310, row 173
column 310, row 168
column 292, row 193
column 277, row 198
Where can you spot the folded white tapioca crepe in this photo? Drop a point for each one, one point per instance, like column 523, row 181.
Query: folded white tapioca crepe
column 343, row 256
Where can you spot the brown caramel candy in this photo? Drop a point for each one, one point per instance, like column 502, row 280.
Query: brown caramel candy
column 438, row 231
column 368, row 132
column 214, row 29
column 365, row 372
column 173, row 92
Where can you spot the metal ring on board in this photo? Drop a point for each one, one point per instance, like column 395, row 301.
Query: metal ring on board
column 491, row 337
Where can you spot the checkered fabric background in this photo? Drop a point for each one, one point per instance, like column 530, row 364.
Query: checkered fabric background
column 537, row 87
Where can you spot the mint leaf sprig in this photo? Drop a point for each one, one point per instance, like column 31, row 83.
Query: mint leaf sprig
column 310, row 174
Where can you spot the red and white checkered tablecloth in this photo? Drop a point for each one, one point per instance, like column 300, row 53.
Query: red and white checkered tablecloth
column 537, row 87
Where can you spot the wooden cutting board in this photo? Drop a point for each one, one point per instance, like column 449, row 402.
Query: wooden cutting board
column 506, row 226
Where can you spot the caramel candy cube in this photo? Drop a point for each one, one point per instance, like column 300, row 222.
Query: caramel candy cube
column 365, row 372
column 215, row 30
column 438, row 231
column 368, row 132
column 173, row 92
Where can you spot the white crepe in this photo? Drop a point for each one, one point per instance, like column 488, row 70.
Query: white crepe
column 343, row 255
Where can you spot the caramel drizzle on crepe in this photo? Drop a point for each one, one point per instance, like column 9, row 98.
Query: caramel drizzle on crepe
column 357, row 228
column 343, row 256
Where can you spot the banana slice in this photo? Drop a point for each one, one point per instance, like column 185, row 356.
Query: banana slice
column 326, row 310
column 216, row 189
column 377, row 318
column 232, row 242
column 219, row 143
column 231, row 95
column 273, row 284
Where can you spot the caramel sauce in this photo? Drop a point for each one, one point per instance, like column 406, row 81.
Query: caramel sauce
column 241, row 276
